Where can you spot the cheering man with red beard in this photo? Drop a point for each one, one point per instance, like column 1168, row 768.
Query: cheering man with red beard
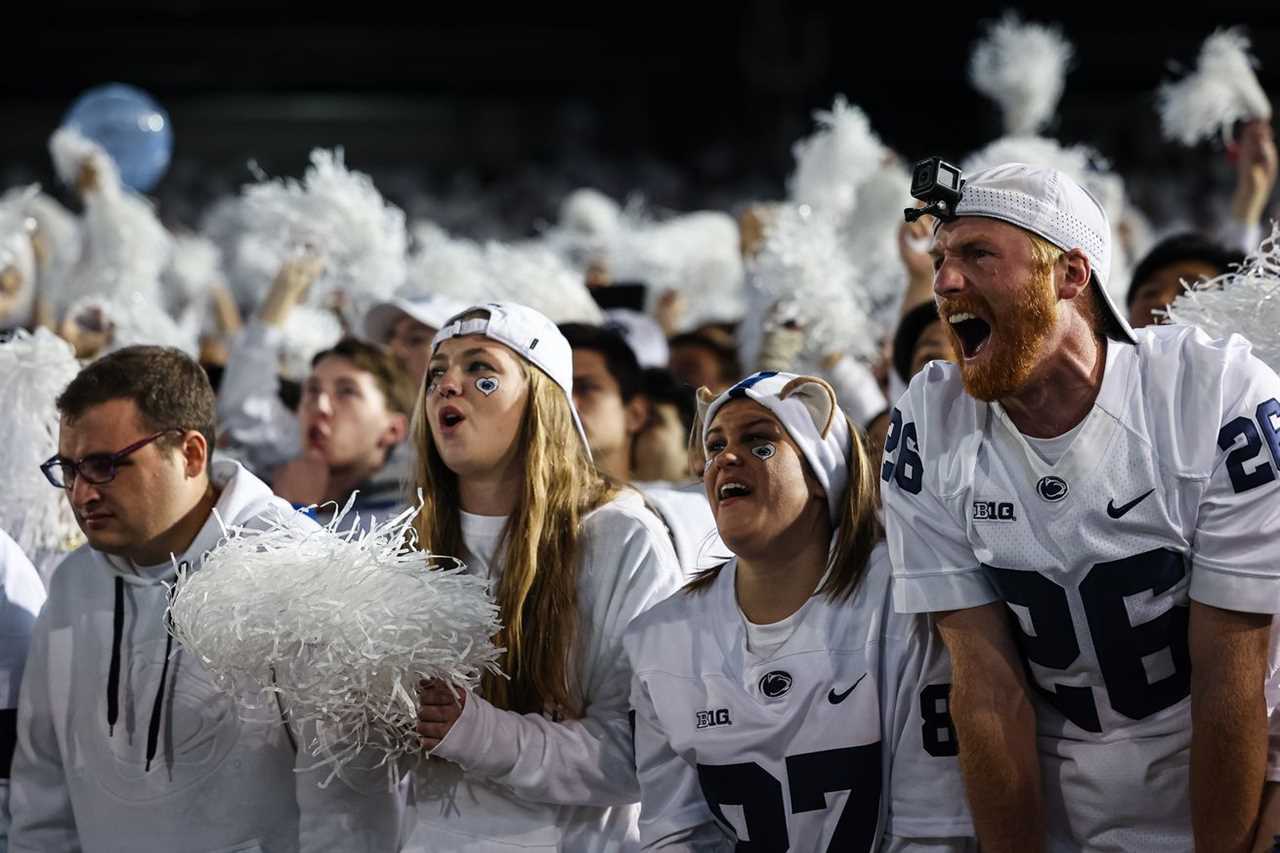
column 1092, row 513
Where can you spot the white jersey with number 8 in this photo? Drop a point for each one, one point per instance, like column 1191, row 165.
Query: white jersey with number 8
column 835, row 739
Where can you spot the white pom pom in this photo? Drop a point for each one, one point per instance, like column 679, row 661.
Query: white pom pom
column 130, row 319
column 338, row 213
column 306, row 332
column 697, row 255
column 34, row 370
column 59, row 231
column 1222, row 90
column 869, row 236
column 124, row 251
column 1244, row 302
column 336, row 627
column 1022, row 67
column 694, row 254
column 194, row 268
column 833, row 162
column 802, row 273
column 590, row 213
column 70, row 149
column 447, row 266
column 17, row 256
column 124, row 247
column 530, row 273
column 845, row 172
column 534, row 275
column 248, row 276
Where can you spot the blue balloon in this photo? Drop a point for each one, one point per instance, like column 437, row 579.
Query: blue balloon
column 131, row 126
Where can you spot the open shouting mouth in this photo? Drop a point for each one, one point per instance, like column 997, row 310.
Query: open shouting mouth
column 973, row 332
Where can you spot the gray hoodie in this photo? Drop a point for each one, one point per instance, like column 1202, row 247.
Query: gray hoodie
column 125, row 744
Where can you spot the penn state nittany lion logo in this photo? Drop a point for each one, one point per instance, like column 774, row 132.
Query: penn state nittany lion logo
column 1052, row 489
column 775, row 684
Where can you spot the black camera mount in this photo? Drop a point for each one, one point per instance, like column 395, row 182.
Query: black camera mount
column 940, row 185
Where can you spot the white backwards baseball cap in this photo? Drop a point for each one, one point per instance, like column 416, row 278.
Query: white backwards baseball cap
column 433, row 311
column 1050, row 204
column 530, row 334
column 642, row 333
column 807, row 409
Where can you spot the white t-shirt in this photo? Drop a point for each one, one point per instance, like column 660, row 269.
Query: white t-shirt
column 483, row 535
column 1050, row 450
column 507, row 781
column 1167, row 493
column 829, row 734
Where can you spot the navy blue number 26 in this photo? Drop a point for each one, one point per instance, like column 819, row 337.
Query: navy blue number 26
column 907, row 469
column 1267, row 416
column 1120, row 645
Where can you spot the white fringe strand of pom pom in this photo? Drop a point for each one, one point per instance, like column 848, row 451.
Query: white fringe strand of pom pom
column 1222, row 90
column 337, row 628
column 1244, row 302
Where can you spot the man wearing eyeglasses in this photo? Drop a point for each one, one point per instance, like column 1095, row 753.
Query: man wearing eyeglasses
column 124, row 742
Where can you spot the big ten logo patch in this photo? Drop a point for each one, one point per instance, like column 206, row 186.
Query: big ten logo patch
column 714, row 717
column 993, row 511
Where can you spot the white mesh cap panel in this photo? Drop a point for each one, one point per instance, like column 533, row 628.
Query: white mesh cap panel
column 1052, row 205
column 1046, row 202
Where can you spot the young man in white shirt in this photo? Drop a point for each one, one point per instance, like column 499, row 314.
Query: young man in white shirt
column 124, row 742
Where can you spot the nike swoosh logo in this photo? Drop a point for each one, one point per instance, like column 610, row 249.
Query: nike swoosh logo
column 1117, row 511
column 836, row 698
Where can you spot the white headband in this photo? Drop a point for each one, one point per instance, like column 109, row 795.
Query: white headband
column 806, row 408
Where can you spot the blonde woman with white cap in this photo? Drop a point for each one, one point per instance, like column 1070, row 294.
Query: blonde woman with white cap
column 540, row 759
column 779, row 701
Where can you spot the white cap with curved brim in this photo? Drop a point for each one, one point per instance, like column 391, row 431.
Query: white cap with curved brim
column 433, row 311
column 642, row 333
column 530, row 334
column 1050, row 204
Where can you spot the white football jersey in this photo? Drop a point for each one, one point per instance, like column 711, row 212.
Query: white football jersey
column 833, row 739
column 1168, row 492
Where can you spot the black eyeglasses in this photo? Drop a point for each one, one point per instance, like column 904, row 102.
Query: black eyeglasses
column 96, row 468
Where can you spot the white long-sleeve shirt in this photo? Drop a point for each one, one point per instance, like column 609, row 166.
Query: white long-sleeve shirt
column 262, row 429
column 506, row 781
column 119, row 754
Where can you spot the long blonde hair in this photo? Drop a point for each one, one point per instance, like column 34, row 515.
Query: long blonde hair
column 537, row 592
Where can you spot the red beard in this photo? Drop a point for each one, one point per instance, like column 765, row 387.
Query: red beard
column 1017, row 338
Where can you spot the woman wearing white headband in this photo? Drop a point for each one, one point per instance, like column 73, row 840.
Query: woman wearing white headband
column 540, row 759
column 779, row 701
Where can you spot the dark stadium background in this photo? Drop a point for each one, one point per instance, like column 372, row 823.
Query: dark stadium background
column 482, row 116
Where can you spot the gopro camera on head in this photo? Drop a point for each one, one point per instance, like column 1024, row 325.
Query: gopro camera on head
column 940, row 185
